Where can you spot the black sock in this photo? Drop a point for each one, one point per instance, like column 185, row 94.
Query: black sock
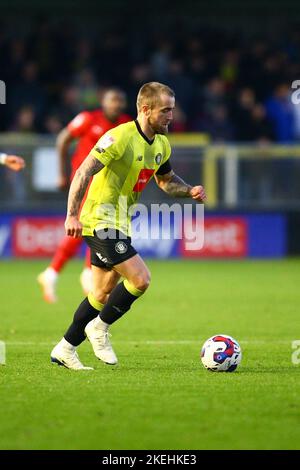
column 119, row 302
column 83, row 315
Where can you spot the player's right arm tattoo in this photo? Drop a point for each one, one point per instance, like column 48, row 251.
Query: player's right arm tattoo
column 80, row 182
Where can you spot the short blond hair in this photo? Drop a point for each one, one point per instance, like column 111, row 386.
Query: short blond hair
column 150, row 92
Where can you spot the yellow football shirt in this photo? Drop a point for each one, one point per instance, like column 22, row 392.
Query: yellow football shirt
column 130, row 160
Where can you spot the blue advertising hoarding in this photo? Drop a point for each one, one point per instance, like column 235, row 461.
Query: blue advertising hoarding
column 225, row 235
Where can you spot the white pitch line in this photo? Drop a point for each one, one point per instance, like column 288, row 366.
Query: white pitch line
column 149, row 342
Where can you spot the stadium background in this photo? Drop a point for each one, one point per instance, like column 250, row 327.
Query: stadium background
column 236, row 130
column 232, row 72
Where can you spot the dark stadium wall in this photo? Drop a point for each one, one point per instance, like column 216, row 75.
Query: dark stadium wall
column 247, row 16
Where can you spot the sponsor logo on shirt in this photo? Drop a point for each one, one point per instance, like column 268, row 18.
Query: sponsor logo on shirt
column 143, row 178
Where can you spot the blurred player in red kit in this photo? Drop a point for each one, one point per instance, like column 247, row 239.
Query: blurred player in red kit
column 88, row 127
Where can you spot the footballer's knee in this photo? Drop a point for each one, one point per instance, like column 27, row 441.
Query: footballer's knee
column 103, row 286
column 142, row 280
column 101, row 294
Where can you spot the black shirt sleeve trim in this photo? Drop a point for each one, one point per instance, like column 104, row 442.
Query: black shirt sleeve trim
column 164, row 168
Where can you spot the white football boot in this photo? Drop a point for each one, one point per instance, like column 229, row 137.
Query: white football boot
column 97, row 333
column 47, row 280
column 64, row 354
column 86, row 280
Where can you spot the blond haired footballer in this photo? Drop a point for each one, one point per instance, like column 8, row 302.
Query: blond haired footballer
column 122, row 163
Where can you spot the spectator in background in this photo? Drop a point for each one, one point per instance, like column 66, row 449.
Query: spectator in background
column 254, row 174
column 197, row 62
column 229, row 68
column 140, row 74
column 251, row 65
column 14, row 58
column 178, row 80
column 217, row 125
column 52, row 124
column 241, row 112
column 28, row 91
column 55, row 67
column 198, row 69
column 113, row 62
column 84, row 58
column 69, row 103
column 271, row 74
column 87, row 87
column 43, row 48
column 179, row 123
column 251, row 121
column 261, row 128
column 209, row 101
column 213, row 96
column 280, row 111
column 160, row 59
column 25, row 120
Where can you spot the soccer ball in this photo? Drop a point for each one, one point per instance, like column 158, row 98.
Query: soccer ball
column 221, row 353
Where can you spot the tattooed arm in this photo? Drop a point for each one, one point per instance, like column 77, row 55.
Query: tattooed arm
column 176, row 187
column 87, row 169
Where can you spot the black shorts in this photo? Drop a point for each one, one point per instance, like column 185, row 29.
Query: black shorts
column 109, row 247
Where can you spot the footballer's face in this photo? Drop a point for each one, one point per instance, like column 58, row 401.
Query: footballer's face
column 161, row 115
column 113, row 104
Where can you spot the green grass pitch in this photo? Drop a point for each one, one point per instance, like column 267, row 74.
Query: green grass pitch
column 159, row 396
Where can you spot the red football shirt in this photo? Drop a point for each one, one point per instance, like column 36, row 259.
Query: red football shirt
column 88, row 127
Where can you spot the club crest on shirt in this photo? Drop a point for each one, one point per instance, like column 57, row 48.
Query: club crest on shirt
column 121, row 247
column 158, row 158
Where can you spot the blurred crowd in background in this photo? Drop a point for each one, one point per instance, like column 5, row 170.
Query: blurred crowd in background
column 229, row 86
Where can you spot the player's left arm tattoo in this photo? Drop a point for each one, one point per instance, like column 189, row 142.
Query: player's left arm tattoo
column 87, row 169
column 173, row 185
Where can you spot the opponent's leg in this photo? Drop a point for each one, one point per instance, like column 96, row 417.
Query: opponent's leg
column 47, row 279
column 88, row 263
column 86, row 274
